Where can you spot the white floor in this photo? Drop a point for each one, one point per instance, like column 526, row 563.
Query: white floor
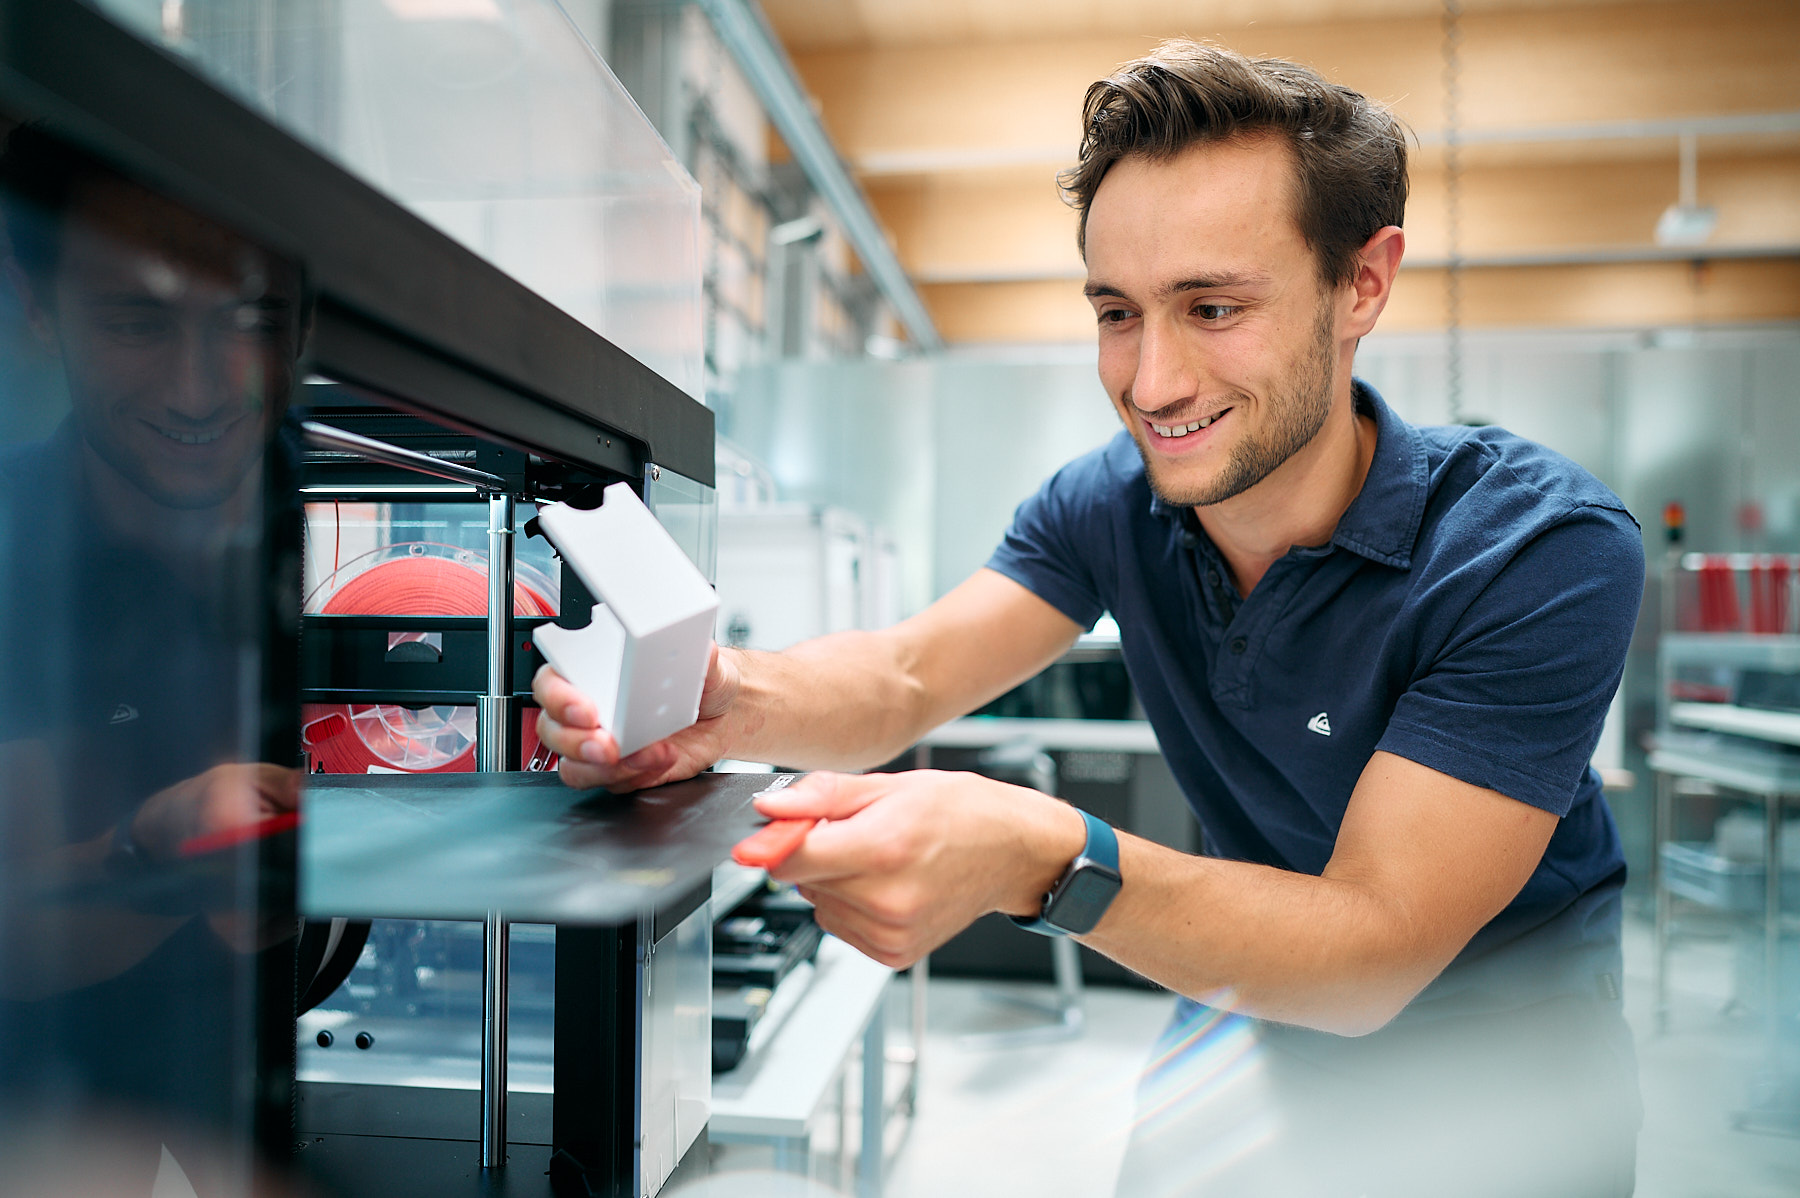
column 1049, row 1120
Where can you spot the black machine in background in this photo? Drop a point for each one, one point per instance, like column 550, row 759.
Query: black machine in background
column 413, row 342
column 760, row 943
column 1131, row 790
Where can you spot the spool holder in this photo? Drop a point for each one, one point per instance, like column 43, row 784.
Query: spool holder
column 494, row 741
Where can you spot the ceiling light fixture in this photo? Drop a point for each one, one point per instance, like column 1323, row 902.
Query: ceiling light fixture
column 1687, row 222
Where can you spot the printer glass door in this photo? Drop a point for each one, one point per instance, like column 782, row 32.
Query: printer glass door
column 147, row 789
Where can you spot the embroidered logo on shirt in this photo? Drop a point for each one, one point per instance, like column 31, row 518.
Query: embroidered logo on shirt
column 1320, row 723
column 124, row 713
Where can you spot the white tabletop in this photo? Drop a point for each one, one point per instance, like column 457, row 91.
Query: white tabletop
column 780, row 1090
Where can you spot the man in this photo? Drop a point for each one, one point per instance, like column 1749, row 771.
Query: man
column 132, row 590
column 1377, row 658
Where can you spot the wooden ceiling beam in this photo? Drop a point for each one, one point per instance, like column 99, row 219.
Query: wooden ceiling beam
column 1626, row 295
column 1007, row 103
column 1003, row 226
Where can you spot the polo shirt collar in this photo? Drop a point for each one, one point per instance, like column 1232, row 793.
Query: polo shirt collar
column 1382, row 522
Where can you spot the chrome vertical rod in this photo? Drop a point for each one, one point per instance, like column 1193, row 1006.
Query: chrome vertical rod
column 496, row 704
column 495, row 734
column 494, row 955
column 1771, row 995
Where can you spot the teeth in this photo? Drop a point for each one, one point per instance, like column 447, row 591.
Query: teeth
column 190, row 438
column 1182, row 430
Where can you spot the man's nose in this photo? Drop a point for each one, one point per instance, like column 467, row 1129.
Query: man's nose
column 200, row 387
column 1165, row 368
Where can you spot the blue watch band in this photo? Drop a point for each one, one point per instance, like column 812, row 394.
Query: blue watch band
column 1099, row 855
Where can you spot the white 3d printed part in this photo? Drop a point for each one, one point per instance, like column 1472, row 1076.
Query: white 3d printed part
column 643, row 658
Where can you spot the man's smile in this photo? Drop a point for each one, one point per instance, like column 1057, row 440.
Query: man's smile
column 190, row 436
column 1185, row 432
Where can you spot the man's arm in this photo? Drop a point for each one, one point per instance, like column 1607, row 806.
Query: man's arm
column 51, row 944
column 1422, row 862
column 844, row 701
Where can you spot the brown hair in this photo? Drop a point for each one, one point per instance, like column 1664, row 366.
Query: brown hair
column 1349, row 151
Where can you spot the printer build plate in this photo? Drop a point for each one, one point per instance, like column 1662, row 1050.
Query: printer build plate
column 455, row 846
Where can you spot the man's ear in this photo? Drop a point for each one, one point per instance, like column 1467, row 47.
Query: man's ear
column 1378, row 262
column 35, row 305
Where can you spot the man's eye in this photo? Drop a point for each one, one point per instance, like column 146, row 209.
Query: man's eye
column 1115, row 315
column 255, row 320
column 1214, row 311
column 140, row 328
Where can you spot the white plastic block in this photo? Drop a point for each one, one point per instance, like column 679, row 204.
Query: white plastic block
column 643, row 658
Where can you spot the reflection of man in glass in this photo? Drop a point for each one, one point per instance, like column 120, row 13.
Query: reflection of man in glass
column 131, row 582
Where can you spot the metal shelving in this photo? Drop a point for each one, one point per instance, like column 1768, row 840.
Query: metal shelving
column 1745, row 751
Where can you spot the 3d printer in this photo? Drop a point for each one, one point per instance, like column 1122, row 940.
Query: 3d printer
column 431, row 399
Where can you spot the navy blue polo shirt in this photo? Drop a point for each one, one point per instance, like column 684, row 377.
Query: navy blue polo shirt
column 1471, row 613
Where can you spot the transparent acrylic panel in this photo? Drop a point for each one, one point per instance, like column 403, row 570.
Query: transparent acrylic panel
column 492, row 119
column 147, row 793
column 689, row 511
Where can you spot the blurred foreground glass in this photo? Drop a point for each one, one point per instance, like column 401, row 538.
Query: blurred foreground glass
column 147, row 553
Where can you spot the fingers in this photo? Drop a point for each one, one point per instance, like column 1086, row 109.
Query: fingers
column 278, row 786
column 824, row 795
column 566, row 705
column 894, row 947
column 650, row 766
column 594, row 746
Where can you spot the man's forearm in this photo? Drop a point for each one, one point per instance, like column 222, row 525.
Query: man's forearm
column 856, row 699
column 52, row 947
column 1315, row 951
column 844, row 701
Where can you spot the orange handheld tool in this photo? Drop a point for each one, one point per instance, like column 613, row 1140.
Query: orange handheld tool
column 771, row 844
column 225, row 838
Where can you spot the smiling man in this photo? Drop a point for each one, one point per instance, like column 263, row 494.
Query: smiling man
column 1377, row 658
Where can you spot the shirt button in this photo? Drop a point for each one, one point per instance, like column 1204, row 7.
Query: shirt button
column 1239, row 644
column 1212, row 578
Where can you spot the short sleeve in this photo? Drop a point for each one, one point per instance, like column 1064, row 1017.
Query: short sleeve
column 1056, row 537
column 1515, row 699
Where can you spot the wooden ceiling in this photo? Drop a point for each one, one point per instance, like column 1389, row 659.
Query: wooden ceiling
column 956, row 114
column 808, row 26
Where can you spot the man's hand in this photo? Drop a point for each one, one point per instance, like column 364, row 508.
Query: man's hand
column 570, row 724
column 226, row 796
column 905, row 861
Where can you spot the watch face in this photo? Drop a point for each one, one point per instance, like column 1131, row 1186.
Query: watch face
column 1083, row 898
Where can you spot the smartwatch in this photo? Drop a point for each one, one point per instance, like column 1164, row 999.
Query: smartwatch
column 126, row 857
column 1087, row 888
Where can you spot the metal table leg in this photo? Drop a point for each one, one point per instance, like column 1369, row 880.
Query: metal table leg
column 912, row 1055
column 1661, row 830
column 844, row 1167
column 874, row 1076
column 793, row 1154
column 1772, row 919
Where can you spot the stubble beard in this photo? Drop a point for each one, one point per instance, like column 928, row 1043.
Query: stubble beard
column 1296, row 412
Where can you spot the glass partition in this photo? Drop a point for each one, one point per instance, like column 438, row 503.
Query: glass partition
column 690, row 512
column 148, row 551
column 496, row 121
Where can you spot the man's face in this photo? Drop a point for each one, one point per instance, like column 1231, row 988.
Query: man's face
column 178, row 341
column 1217, row 340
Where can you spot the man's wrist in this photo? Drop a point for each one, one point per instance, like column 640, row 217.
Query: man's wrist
column 125, row 854
column 739, row 719
column 1054, row 835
